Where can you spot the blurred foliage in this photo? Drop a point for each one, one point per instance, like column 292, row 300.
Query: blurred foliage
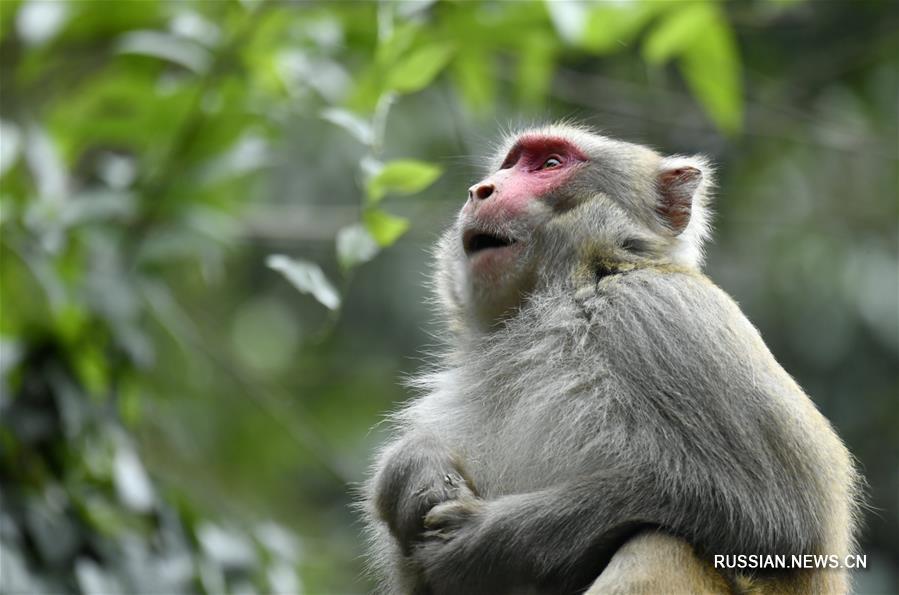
column 175, row 417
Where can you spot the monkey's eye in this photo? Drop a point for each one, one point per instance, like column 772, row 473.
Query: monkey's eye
column 551, row 162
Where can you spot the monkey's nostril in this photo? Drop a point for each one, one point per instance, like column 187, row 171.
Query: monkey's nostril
column 484, row 191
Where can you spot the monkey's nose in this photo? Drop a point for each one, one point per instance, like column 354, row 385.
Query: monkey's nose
column 481, row 191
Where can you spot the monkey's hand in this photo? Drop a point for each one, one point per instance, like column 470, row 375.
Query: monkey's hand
column 416, row 477
column 446, row 520
column 456, row 554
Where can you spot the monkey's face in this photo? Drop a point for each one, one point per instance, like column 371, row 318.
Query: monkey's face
column 554, row 197
column 496, row 249
column 504, row 210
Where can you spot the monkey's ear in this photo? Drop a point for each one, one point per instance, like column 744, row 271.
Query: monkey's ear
column 676, row 187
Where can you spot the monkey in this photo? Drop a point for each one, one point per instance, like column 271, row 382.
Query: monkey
column 603, row 414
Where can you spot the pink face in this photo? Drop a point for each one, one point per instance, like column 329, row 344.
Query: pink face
column 509, row 199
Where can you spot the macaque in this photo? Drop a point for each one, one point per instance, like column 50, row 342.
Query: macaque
column 603, row 413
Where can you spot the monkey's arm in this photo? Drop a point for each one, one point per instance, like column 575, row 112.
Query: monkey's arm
column 414, row 475
column 563, row 536
column 560, row 538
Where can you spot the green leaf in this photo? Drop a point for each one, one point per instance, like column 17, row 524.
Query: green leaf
column 43, row 157
column 92, row 369
column 307, row 277
column 416, row 71
column 610, row 27
column 403, row 176
column 98, row 206
column 8, row 10
column 84, row 119
column 366, row 91
column 678, row 31
column 701, row 39
column 355, row 246
column 246, row 155
column 384, row 227
column 226, row 545
column 397, row 44
column 472, row 72
column 535, row 68
column 712, row 70
column 165, row 46
column 357, row 126
column 12, row 142
column 93, row 578
column 130, row 402
column 568, row 19
column 132, row 483
column 711, row 67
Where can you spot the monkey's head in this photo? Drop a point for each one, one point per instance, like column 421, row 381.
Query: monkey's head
column 561, row 204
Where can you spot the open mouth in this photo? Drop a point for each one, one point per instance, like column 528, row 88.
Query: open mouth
column 477, row 241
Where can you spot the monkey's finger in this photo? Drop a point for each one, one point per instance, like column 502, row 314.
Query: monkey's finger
column 437, row 535
column 458, row 486
column 453, row 480
column 451, row 514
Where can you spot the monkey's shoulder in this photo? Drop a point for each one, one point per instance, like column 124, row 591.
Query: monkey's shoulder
column 651, row 309
column 667, row 291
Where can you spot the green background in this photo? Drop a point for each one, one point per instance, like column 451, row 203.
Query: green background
column 215, row 226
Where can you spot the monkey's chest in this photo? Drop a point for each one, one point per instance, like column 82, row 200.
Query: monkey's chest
column 530, row 434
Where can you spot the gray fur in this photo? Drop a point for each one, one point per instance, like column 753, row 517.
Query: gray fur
column 622, row 391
